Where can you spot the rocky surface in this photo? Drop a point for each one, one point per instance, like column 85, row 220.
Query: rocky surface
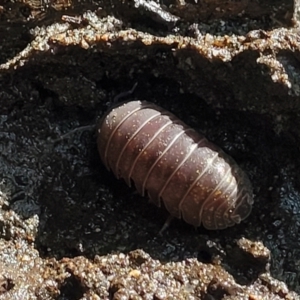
column 68, row 228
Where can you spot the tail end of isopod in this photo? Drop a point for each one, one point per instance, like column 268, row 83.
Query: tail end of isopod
column 243, row 209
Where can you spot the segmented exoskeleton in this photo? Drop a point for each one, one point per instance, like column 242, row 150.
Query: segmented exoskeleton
column 194, row 178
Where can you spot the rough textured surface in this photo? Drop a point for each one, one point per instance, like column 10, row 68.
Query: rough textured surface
column 67, row 227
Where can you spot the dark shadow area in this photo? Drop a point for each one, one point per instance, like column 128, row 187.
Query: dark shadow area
column 71, row 289
column 6, row 284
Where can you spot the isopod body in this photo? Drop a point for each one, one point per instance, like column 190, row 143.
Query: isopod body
column 141, row 142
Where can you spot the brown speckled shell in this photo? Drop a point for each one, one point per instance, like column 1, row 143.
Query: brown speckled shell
column 194, row 178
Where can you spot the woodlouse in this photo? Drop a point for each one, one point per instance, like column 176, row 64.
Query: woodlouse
column 194, row 178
